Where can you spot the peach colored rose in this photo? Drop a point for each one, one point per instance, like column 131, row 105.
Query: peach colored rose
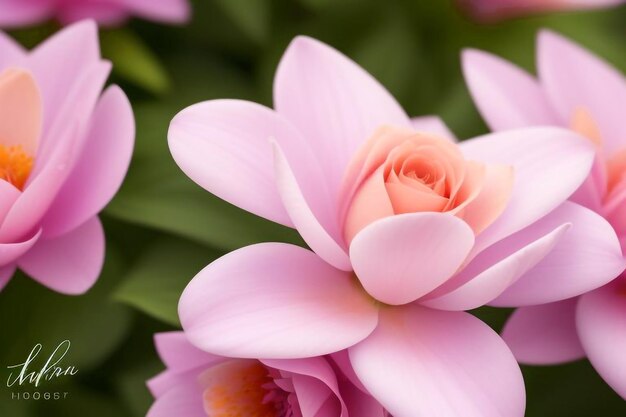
column 401, row 171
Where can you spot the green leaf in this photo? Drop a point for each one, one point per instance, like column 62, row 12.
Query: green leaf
column 252, row 17
column 31, row 314
column 158, row 278
column 133, row 60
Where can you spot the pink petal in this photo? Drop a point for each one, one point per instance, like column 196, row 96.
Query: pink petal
column 565, row 69
column 342, row 360
column 59, row 62
column 275, row 300
column 69, row 264
column 11, row 52
column 312, row 231
column 544, row 334
column 550, row 164
column 184, row 401
column 104, row 13
column 398, row 259
column 422, row 362
column 171, row 11
column 8, row 195
column 333, row 102
column 167, row 380
column 6, row 273
column 314, row 382
column 587, row 257
column 101, row 167
column 224, row 146
column 503, row 267
column 10, row 252
column 17, row 13
column 433, row 124
column 506, row 96
column 178, row 354
column 601, row 323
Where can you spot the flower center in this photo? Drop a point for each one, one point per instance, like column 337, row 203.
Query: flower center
column 243, row 389
column 15, row 165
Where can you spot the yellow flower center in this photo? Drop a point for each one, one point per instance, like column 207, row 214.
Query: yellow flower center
column 15, row 165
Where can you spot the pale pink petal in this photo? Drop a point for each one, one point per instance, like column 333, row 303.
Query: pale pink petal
column 398, row 259
column 10, row 252
column 17, row 13
column 6, row 273
column 434, row 125
column 275, row 300
column 422, row 362
column 184, row 400
column 587, row 257
column 342, row 360
column 11, row 52
column 171, row 11
column 544, row 334
column 178, row 354
column 601, row 323
column 69, row 264
column 303, row 218
column 224, row 146
column 574, row 79
column 480, row 286
column 58, row 63
column 333, row 102
column 506, row 96
column 101, row 167
column 313, row 397
column 8, row 195
column 549, row 165
column 314, row 382
column 167, row 380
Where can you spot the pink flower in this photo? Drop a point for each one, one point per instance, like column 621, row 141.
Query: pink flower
column 493, row 10
column 577, row 90
column 17, row 13
column 64, row 149
column 393, row 293
column 198, row 384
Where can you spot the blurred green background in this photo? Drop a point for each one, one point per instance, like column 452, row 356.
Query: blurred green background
column 162, row 228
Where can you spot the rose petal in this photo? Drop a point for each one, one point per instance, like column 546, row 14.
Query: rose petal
column 6, row 273
column 601, row 323
column 544, row 334
column 398, row 259
column 178, row 354
column 184, row 400
column 275, row 301
column 69, row 264
column 422, row 362
column 10, row 252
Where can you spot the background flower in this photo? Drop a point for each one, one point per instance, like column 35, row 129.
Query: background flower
column 577, row 90
column 492, row 10
column 197, row 384
column 78, row 145
column 16, row 13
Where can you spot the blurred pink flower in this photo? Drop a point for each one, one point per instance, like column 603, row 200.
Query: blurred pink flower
column 64, row 150
column 494, row 10
column 500, row 234
column 574, row 89
column 17, row 13
column 198, row 384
